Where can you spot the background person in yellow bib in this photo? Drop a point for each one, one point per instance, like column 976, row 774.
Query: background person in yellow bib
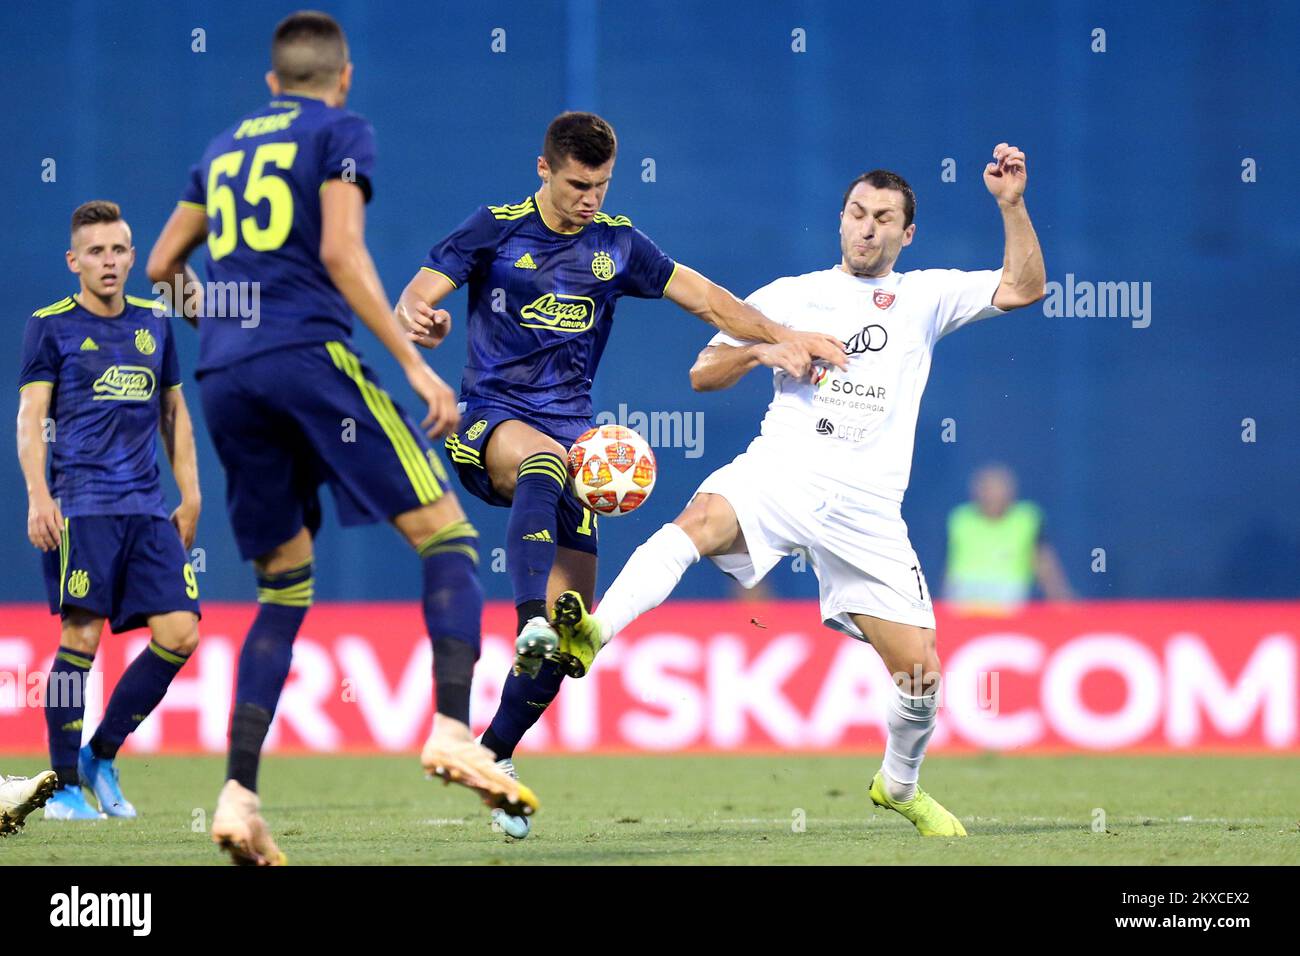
column 997, row 550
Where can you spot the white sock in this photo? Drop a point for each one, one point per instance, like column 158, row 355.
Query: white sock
column 911, row 723
column 647, row 579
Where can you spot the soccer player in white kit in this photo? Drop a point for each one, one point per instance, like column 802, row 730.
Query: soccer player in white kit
column 828, row 471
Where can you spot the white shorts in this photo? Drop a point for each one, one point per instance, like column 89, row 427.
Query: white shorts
column 857, row 543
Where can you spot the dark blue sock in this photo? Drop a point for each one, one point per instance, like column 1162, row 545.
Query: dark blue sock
column 264, row 666
column 65, row 709
column 139, row 691
column 531, row 530
column 453, row 614
column 523, row 700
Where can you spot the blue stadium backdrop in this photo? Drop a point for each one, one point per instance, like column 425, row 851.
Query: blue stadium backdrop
column 736, row 146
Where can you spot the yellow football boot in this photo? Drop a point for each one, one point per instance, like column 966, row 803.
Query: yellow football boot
column 926, row 813
column 581, row 635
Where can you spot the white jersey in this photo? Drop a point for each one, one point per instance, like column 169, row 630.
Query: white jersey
column 858, row 426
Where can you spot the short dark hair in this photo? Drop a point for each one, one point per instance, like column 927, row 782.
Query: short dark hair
column 581, row 136
column 308, row 50
column 884, row 179
column 95, row 211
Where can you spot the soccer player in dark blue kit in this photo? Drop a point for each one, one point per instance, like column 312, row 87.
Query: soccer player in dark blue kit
column 99, row 380
column 544, row 276
column 280, row 199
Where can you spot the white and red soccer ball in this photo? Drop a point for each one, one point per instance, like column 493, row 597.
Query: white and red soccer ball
column 611, row 469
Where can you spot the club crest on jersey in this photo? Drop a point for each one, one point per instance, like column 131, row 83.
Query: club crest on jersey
column 124, row 383
column 882, row 298
column 144, row 342
column 476, row 429
column 602, row 266
column 872, row 338
column 78, row 584
column 559, row 312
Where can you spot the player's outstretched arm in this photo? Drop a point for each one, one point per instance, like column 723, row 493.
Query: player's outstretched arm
column 178, row 439
column 416, row 310
column 344, row 254
column 168, row 270
column 1024, row 276
column 722, row 366
column 44, row 519
column 715, row 305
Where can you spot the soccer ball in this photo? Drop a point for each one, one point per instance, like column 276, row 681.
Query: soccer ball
column 611, row 469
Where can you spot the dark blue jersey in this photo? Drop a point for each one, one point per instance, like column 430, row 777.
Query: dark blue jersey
column 541, row 303
column 106, row 375
column 259, row 183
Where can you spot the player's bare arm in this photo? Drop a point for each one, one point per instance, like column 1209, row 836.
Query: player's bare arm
column 185, row 231
column 722, row 366
column 417, row 311
column 177, row 432
column 1024, row 276
column 345, row 257
column 44, row 520
column 715, row 305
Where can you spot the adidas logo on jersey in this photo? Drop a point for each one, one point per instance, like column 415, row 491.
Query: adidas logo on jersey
column 542, row 535
column 89, row 345
column 525, row 261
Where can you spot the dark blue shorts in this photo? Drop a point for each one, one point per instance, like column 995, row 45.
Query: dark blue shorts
column 126, row 568
column 466, row 449
column 286, row 421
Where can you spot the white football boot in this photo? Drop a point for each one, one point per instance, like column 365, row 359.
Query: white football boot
column 19, row 796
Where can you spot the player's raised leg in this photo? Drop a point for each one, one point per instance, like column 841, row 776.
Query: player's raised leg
column 909, row 653
column 175, row 635
column 708, row 526
column 65, row 710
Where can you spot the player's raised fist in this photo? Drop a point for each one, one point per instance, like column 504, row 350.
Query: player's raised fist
column 1006, row 176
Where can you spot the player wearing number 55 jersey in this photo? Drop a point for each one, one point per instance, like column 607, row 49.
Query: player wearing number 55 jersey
column 829, row 469
column 280, row 199
column 99, row 380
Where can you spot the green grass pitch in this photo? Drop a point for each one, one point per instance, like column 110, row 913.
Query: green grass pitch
column 708, row 810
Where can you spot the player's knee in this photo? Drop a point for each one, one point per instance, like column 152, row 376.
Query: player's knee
column 81, row 642
column 178, row 632
column 918, row 674
column 710, row 526
column 506, row 469
column 187, row 642
column 81, row 634
column 294, row 553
